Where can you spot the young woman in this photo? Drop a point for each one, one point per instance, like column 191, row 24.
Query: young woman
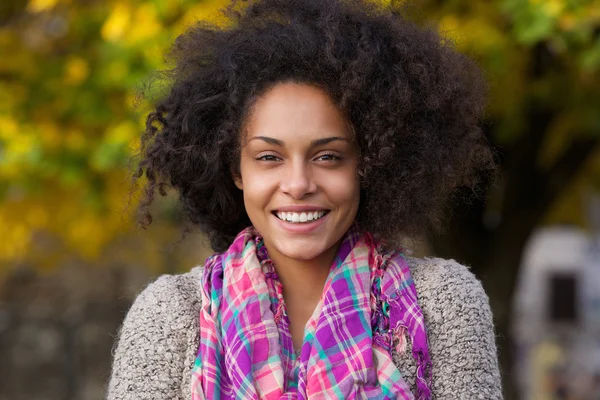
column 305, row 139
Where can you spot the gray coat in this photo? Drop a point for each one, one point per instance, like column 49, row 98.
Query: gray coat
column 158, row 341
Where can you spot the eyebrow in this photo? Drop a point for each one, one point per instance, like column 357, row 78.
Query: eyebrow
column 313, row 143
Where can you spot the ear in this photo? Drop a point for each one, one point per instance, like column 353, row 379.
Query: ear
column 237, row 180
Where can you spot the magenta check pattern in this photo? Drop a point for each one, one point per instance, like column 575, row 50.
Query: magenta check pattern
column 369, row 303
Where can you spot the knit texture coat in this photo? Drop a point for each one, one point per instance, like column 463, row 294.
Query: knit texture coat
column 158, row 341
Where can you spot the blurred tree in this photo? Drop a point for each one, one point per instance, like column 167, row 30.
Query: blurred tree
column 69, row 75
column 543, row 61
column 70, row 71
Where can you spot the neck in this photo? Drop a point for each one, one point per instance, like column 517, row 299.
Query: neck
column 303, row 280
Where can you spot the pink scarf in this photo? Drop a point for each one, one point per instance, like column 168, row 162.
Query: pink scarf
column 369, row 302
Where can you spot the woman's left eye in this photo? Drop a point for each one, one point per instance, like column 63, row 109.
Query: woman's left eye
column 267, row 157
column 328, row 157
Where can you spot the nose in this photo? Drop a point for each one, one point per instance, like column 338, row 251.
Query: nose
column 297, row 181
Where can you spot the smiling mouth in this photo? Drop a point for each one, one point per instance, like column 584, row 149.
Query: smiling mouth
column 301, row 217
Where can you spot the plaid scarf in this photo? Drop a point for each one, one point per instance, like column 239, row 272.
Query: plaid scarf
column 368, row 304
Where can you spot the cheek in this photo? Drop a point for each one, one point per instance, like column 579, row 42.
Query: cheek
column 258, row 186
column 345, row 190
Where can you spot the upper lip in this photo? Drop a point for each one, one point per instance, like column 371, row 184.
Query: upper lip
column 299, row 208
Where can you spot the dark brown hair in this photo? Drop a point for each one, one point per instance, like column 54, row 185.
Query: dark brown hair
column 414, row 102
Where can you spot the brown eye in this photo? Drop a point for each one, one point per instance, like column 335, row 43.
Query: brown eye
column 267, row 157
column 328, row 157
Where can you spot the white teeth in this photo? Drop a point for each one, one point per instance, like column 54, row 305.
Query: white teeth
column 300, row 217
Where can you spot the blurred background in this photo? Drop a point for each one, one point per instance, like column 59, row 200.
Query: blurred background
column 72, row 259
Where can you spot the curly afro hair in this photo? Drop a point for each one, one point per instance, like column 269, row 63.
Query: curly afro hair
column 413, row 102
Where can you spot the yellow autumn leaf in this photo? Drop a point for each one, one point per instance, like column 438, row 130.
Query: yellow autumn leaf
column 206, row 11
column 8, row 127
column 9, row 171
column 553, row 8
column 76, row 71
column 19, row 145
column 14, row 239
column 449, row 28
column 146, row 24
column 121, row 133
column 40, row 5
column 84, row 236
column 117, row 22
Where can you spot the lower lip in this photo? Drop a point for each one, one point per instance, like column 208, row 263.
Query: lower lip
column 303, row 227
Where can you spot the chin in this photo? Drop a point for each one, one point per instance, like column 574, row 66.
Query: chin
column 304, row 251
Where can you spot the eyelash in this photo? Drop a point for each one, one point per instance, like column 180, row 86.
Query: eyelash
column 271, row 157
column 334, row 157
column 263, row 157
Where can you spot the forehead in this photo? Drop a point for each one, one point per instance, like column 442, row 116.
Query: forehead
column 296, row 112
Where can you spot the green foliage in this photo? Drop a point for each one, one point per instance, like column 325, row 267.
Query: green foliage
column 70, row 73
column 69, row 78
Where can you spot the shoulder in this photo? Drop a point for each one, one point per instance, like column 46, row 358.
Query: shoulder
column 460, row 329
column 157, row 342
column 177, row 293
column 438, row 277
column 450, row 296
column 166, row 302
column 167, row 307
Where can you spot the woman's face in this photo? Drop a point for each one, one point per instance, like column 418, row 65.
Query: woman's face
column 298, row 171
